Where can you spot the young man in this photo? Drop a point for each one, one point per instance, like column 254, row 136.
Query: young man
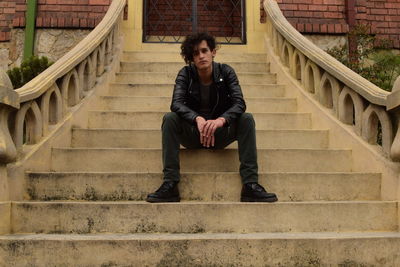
column 208, row 112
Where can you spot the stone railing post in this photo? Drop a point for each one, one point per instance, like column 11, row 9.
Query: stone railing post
column 393, row 100
column 9, row 100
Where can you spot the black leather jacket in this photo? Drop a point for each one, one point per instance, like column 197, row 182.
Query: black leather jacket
column 226, row 96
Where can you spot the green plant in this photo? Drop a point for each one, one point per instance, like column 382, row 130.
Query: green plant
column 28, row 70
column 385, row 69
column 372, row 58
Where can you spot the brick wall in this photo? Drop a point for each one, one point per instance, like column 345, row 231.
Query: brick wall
column 308, row 16
column 52, row 14
column 316, row 16
column 383, row 16
column 329, row 16
column 7, row 10
column 64, row 13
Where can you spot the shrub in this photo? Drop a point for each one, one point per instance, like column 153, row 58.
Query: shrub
column 372, row 58
column 28, row 70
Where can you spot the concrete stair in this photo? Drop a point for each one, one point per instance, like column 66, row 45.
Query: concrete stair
column 149, row 160
column 154, row 56
column 205, row 249
column 203, row 186
column 169, row 77
column 165, row 90
column 162, row 104
column 151, row 138
column 210, row 217
column 174, row 67
column 145, row 120
column 91, row 199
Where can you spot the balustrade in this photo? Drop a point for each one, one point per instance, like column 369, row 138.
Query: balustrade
column 352, row 99
column 27, row 113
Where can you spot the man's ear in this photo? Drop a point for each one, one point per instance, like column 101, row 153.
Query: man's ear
column 214, row 52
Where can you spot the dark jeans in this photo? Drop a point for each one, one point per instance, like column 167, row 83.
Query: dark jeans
column 176, row 131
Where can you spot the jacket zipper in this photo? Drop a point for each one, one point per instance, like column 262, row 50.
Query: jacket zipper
column 190, row 86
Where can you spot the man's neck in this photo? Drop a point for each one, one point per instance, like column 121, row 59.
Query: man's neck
column 205, row 76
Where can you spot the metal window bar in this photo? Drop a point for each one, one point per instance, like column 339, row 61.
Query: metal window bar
column 169, row 21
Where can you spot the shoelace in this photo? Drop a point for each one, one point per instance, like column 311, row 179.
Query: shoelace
column 257, row 187
column 165, row 187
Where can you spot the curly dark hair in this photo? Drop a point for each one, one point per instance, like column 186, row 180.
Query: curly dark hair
column 191, row 41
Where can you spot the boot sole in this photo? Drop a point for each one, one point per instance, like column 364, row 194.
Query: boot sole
column 161, row 200
column 249, row 199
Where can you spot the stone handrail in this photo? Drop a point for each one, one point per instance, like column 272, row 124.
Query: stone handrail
column 46, row 99
column 353, row 99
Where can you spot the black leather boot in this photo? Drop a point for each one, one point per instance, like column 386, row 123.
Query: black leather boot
column 168, row 192
column 254, row 192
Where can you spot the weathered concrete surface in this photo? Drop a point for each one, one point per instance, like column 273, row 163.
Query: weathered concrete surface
column 198, row 217
column 139, row 89
column 149, row 160
column 208, row 186
column 4, row 185
column 317, row 189
column 152, row 120
column 147, row 56
column 366, row 157
column 7, row 95
column 168, row 77
column 203, row 250
column 143, row 103
column 108, row 138
column 174, row 67
column 5, row 216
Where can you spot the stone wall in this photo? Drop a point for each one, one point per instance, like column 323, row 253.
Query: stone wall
column 326, row 41
column 4, row 57
column 52, row 43
column 55, row 22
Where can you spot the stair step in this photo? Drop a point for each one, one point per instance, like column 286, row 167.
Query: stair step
column 113, row 138
column 197, row 217
column 176, row 57
column 174, row 67
column 4, row 213
column 149, row 160
column 169, row 77
column 153, row 120
column 177, row 250
column 249, row 90
column 134, row 103
column 206, row 186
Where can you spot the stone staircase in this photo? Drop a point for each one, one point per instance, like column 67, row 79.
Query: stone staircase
column 89, row 209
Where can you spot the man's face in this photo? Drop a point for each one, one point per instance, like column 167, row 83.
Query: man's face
column 203, row 56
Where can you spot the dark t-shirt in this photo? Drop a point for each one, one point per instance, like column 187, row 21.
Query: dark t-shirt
column 205, row 106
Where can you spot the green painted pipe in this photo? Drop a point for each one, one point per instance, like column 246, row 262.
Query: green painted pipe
column 30, row 28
